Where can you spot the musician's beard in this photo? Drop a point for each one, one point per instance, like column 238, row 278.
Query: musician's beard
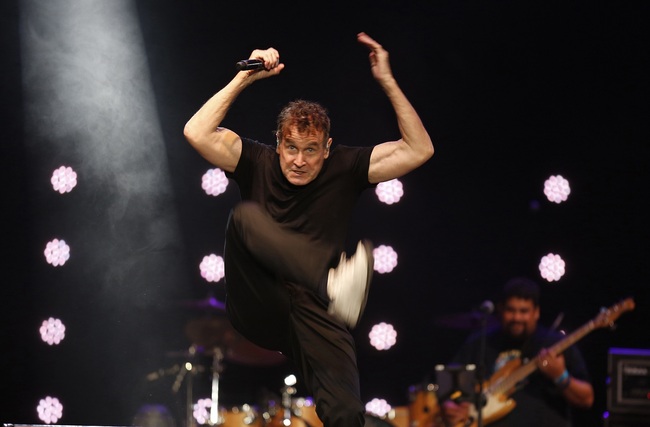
column 517, row 330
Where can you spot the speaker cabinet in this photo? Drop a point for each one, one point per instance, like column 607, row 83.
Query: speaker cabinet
column 628, row 385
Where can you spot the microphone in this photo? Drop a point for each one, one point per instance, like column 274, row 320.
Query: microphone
column 487, row 307
column 250, row 64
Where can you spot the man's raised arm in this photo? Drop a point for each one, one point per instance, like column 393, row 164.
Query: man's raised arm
column 218, row 145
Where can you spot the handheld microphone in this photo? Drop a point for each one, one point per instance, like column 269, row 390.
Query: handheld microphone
column 249, row 64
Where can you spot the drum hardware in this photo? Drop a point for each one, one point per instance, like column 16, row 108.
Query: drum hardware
column 217, row 368
column 213, row 330
column 287, row 392
column 192, row 369
column 212, row 335
column 424, row 409
column 293, row 411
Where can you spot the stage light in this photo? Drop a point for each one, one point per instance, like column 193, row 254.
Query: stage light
column 290, row 380
column 52, row 331
column 64, row 179
column 212, row 268
column 201, row 411
column 49, row 410
column 383, row 336
column 214, row 182
column 378, row 407
column 91, row 113
column 389, row 192
column 385, row 259
column 57, row 252
column 557, row 189
column 552, row 267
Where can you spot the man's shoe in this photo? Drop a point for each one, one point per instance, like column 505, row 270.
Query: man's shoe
column 348, row 284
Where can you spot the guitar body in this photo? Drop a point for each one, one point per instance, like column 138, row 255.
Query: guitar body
column 496, row 405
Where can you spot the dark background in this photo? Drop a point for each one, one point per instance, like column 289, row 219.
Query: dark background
column 511, row 93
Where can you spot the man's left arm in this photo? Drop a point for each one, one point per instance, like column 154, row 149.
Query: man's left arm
column 578, row 392
column 393, row 159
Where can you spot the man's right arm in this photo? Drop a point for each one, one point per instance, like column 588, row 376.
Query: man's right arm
column 220, row 146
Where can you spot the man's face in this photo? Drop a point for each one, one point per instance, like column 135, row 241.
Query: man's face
column 519, row 317
column 302, row 154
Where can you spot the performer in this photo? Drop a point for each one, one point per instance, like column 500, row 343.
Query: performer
column 290, row 286
column 546, row 396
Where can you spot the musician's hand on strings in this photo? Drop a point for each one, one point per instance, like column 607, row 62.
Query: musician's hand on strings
column 550, row 364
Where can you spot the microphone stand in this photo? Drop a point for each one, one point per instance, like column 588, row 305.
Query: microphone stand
column 480, row 372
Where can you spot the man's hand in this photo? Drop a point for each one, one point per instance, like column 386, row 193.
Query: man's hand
column 379, row 63
column 272, row 64
column 549, row 364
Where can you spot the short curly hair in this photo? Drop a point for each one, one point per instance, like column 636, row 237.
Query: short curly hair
column 306, row 116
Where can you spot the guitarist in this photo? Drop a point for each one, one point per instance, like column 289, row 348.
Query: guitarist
column 543, row 398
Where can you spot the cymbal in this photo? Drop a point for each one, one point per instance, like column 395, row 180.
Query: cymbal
column 210, row 332
column 217, row 332
column 207, row 304
column 469, row 320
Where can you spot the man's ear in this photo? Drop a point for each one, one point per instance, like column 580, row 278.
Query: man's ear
column 327, row 147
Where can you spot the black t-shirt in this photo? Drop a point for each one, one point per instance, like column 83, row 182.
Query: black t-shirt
column 538, row 400
column 320, row 209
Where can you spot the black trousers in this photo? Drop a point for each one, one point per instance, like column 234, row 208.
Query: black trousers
column 274, row 284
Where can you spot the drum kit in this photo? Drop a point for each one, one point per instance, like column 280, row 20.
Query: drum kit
column 214, row 344
column 213, row 337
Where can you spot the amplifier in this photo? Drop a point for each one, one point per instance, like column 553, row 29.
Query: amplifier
column 626, row 420
column 628, row 388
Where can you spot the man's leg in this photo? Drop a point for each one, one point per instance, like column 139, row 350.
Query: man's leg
column 289, row 255
column 257, row 302
column 300, row 260
column 324, row 351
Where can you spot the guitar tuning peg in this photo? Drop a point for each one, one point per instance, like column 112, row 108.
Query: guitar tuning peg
column 613, row 326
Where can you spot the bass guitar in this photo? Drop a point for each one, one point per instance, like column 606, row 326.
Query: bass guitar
column 498, row 389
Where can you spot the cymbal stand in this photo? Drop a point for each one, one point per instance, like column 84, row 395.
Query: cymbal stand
column 189, row 386
column 187, row 367
column 480, row 372
column 182, row 373
column 217, row 368
column 287, row 392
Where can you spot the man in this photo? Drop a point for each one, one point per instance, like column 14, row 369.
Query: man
column 290, row 287
column 545, row 396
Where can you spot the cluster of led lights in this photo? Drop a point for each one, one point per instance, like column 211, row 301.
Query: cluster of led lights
column 212, row 268
column 201, row 410
column 556, row 190
column 382, row 336
column 52, row 330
